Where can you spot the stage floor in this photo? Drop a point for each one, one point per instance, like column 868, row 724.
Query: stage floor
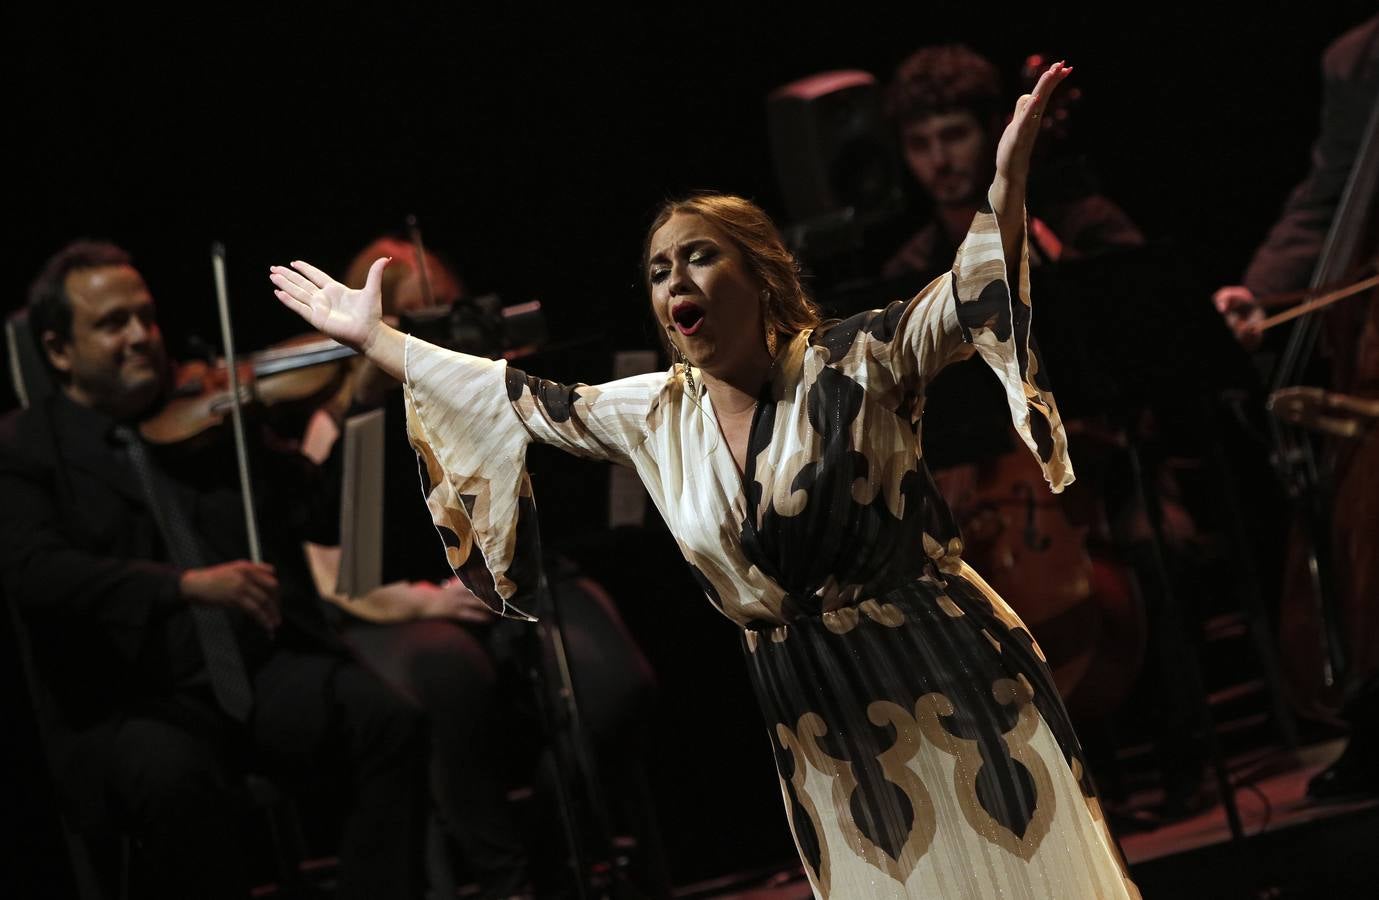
column 1271, row 800
column 1287, row 835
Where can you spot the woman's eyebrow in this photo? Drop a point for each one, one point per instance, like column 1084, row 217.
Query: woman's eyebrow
column 690, row 244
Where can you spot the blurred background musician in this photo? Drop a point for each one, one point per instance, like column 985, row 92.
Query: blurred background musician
column 428, row 635
column 1307, row 238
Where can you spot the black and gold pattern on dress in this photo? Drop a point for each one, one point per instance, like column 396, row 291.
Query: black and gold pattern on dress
column 949, row 607
column 1000, row 609
column 1007, row 797
column 806, row 821
column 863, row 838
column 455, row 514
column 843, row 620
column 953, row 640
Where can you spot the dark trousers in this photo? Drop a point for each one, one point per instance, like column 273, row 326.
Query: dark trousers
column 175, row 777
column 463, row 679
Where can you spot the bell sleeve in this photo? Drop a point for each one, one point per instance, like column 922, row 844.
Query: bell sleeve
column 470, row 420
column 973, row 306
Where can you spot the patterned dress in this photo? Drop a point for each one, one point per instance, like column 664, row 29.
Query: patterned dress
column 921, row 745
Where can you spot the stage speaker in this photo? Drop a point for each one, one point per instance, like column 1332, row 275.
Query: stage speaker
column 834, row 153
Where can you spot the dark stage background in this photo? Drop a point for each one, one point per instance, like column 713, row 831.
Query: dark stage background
column 533, row 145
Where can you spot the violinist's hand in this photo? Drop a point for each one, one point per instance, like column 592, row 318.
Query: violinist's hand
column 247, row 586
column 1242, row 312
column 1017, row 141
column 352, row 317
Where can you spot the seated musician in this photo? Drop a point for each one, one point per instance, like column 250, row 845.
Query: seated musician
column 948, row 106
column 167, row 662
column 428, row 635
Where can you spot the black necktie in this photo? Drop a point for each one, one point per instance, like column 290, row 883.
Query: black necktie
column 224, row 663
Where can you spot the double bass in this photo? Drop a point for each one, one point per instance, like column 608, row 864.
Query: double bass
column 1329, row 616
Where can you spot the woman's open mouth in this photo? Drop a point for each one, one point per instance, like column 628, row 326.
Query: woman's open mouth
column 688, row 316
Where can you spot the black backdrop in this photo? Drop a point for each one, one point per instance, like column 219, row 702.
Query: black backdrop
column 533, row 146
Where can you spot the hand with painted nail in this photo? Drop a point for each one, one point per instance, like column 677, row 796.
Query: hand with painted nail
column 1017, row 141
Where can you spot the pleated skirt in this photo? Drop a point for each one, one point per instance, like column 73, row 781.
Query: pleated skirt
column 923, row 751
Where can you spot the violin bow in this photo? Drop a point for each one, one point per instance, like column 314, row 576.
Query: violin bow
column 1292, row 298
column 1321, row 302
column 414, row 232
column 236, row 413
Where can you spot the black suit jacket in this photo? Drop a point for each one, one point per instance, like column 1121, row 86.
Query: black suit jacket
column 83, row 562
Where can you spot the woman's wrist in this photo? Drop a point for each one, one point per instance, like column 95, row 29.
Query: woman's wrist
column 1005, row 190
column 385, row 347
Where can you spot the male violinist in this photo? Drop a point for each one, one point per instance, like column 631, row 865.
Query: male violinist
column 167, row 663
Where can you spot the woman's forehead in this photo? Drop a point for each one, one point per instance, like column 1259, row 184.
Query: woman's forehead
column 681, row 228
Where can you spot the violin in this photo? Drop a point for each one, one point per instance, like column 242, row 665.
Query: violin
column 297, row 376
column 292, row 377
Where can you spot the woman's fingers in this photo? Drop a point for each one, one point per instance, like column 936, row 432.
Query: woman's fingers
column 1030, row 107
column 1016, row 145
column 292, row 303
column 316, row 276
column 295, row 293
column 292, row 278
column 1052, row 77
column 302, row 293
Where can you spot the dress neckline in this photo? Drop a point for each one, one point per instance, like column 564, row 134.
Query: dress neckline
column 771, row 388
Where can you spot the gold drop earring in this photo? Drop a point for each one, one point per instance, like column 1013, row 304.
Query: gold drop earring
column 770, row 328
column 689, row 373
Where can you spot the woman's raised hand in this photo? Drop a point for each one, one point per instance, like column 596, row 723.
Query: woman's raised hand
column 1017, row 141
column 352, row 317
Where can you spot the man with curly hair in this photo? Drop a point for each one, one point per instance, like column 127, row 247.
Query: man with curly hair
column 948, row 106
